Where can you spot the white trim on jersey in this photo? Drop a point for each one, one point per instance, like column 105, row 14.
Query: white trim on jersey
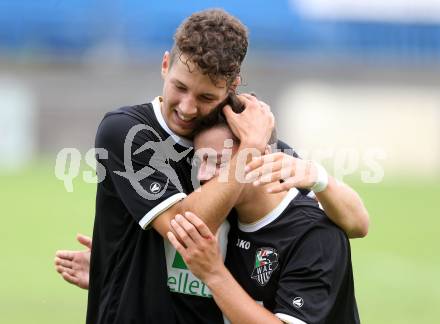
column 269, row 218
column 289, row 319
column 160, row 208
column 158, row 112
column 222, row 237
column 312, row 195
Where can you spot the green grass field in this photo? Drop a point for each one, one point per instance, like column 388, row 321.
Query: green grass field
column 397, row 267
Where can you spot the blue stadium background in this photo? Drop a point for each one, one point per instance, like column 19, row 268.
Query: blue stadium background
column 68, row 29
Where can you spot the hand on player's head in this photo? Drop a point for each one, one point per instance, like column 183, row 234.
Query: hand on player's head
column 280, row 172
column 254, row 125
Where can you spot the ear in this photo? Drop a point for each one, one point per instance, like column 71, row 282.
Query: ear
column 165, row 64
column 235, row 84
column 268, row 150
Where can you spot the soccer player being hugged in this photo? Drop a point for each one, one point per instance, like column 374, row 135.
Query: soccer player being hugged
column 285, row 261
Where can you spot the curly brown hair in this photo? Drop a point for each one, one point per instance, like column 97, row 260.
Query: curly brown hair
column 214, row 41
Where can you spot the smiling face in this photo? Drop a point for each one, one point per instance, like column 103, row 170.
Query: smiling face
column 187, row 94
column 209, row 146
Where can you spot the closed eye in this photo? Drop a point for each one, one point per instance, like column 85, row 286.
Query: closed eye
column 206, row 99
column 180, row 87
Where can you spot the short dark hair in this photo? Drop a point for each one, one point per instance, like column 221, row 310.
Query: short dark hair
column 217, row 118
column 215, row 41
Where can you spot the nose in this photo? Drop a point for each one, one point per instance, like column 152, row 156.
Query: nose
column 188, row 106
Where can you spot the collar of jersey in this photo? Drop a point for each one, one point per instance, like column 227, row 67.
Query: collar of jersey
column 269, row 218
column 158, row 112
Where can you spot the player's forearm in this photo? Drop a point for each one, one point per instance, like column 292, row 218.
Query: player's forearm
column 235, row 303
column 345, row 208
column 212, row 202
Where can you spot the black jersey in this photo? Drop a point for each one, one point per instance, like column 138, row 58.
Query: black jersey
column 146, row 172
column 295, row 262
column 135, row 275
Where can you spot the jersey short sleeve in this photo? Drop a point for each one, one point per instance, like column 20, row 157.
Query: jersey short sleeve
column 137, row 168
column 311, row 280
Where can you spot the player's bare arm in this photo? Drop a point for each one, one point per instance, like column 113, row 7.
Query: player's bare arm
column 340, row 202
column 200, row 251
column 345, row 208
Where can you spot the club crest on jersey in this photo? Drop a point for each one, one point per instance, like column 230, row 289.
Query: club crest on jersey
column 266, row 262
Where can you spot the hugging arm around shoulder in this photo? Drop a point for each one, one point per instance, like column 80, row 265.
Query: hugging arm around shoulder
column 212, row 203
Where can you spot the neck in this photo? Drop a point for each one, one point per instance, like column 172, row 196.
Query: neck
column 255, row 203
